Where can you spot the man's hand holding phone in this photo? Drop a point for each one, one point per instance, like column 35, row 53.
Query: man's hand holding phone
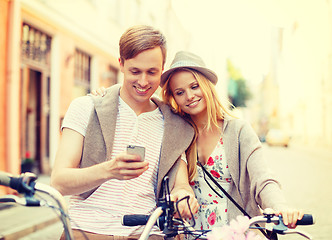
column 127, row 165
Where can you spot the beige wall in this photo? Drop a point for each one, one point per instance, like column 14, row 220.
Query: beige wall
column 3, row 85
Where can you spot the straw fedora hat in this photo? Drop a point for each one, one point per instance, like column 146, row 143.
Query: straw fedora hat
column 188, row 60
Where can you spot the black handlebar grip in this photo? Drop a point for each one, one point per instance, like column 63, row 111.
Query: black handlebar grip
column 134, row 220
column 5, row 179
column 14, row 182
column 307, row 219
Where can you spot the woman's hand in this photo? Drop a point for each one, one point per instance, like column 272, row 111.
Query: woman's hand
column 183, row 191
column 289, row 215
column 99, row 92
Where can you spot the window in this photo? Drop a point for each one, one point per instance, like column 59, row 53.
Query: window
column 36, row 45
column 82, row 70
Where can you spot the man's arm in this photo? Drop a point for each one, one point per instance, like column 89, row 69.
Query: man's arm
column 69, row 179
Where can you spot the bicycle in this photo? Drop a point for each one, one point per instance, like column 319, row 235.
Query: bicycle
column 26, row 184
column 163, row 215
column 170, row 226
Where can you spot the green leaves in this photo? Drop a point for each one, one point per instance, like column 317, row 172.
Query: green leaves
column 238, row 90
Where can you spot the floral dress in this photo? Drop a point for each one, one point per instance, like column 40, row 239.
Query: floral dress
column 213, row 209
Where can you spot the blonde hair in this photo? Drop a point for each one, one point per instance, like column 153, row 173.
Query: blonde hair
column 216, row 111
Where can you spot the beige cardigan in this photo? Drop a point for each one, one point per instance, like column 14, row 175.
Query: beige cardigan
column 252, row 182
column 98, row 141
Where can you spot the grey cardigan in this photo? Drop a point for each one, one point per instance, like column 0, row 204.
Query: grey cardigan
column 253, row 185
column 98, row 141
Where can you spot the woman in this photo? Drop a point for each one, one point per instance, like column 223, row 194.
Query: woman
column 226, row 147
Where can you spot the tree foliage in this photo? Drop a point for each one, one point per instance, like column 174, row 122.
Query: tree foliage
column 238, row 90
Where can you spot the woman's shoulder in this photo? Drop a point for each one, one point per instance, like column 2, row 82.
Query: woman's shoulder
column 235, row 122
column 238, row 126
column 242, row 129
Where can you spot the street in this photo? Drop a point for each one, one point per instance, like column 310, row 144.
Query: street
column 303, row 174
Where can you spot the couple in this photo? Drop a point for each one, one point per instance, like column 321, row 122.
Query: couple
column 189, row 126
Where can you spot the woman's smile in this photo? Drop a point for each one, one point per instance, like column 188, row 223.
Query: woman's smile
column 194, row 103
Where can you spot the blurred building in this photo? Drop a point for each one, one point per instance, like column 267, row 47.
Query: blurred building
column 296, row 95
column 54, row 51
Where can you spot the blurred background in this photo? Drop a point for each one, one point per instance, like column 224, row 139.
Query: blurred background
column 273, row 59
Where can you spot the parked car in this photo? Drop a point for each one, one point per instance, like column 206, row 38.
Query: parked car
column 277, row 137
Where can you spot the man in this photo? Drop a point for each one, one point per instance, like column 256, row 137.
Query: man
column 92, row 164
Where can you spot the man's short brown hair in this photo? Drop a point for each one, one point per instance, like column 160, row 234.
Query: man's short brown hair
column 141, row 38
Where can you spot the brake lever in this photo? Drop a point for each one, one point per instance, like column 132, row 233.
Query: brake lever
column 178, row 212
column 303, row 234
column 281, row 227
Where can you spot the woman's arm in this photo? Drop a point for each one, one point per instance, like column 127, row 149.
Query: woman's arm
column 263, row 185
column 182, row 189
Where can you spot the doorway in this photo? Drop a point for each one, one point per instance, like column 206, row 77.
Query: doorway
column 35, row 117
column 35, row 92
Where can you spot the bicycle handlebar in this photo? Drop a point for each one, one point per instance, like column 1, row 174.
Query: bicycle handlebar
column 307, row 219
column 157, row 219
column 23, row 201
column 26, row 184
column 141, row 219
column 136, row 220
column 280, row 227
column 23, row 183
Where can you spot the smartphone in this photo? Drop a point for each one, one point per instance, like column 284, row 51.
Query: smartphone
column 137, row 150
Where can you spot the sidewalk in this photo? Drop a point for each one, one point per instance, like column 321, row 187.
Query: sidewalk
column 19, row 221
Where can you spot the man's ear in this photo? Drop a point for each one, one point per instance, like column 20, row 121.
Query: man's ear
column 121, row 65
